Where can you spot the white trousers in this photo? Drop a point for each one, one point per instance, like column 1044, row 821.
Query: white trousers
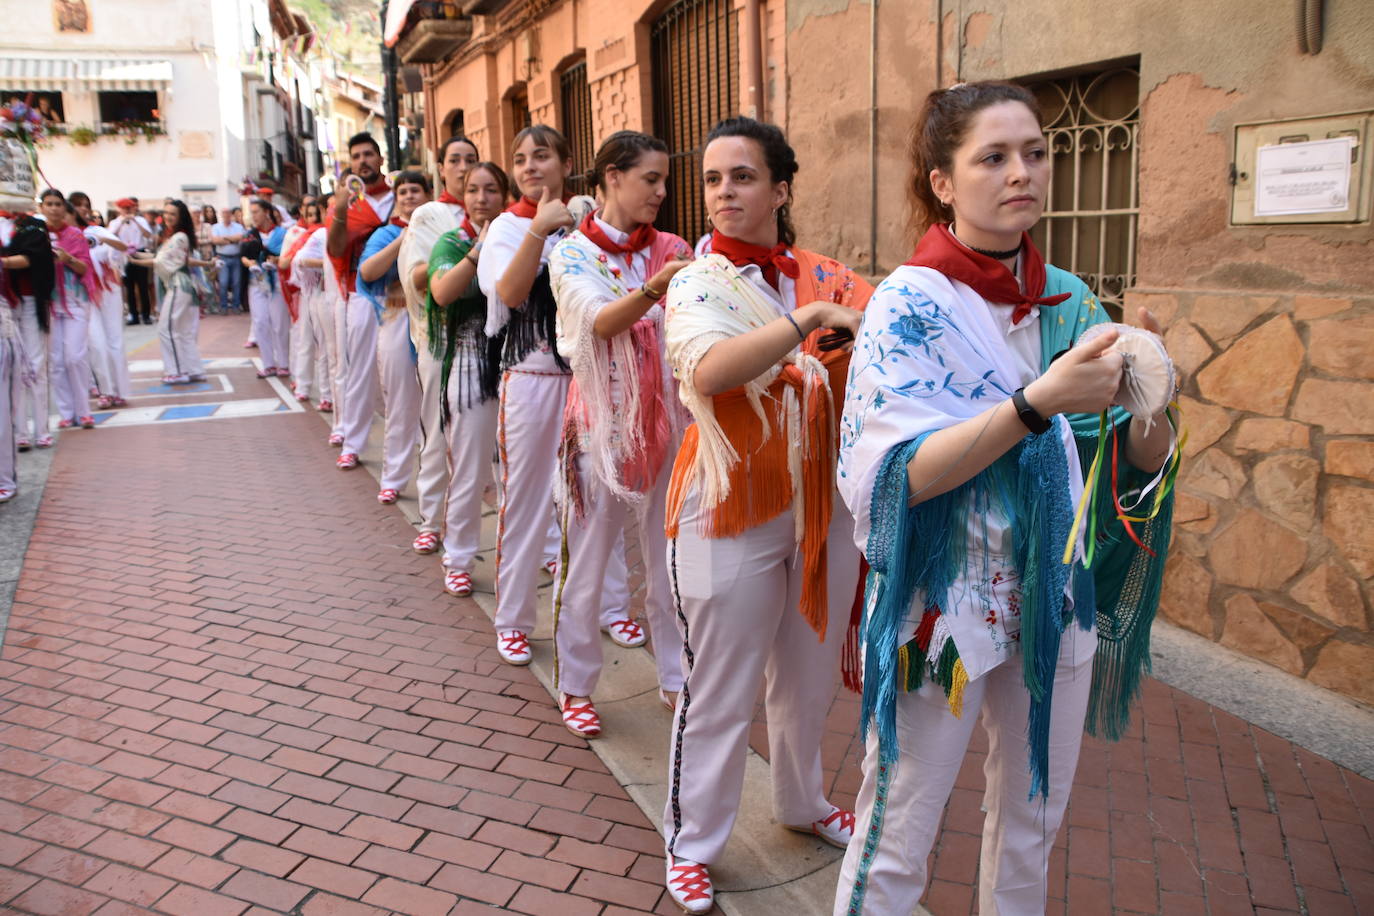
column 10, row 384
column 31, row 402
column 271, row 324
column 471, row 436
column 1017, row 834
column 433, row 481
column 530, row 417
column 311, row 369
column 400, row 399
column 106, row 348
column 68, row 364
column 579, row 593
column 359, row 389
column 293, row 345
column 737, row 604
column 332, row 311
column 178, row 323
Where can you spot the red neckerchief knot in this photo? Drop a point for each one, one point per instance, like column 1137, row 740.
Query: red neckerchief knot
column 640, row 239
column 770, row 260
column 446, row 198
column 469, row 229
column 939, row 249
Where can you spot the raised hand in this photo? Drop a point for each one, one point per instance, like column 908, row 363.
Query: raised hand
column 551, row 216
column 1083, row 380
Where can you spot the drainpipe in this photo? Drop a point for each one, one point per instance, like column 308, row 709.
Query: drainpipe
column 873, row 136
column 390, row 102
column 751, row 49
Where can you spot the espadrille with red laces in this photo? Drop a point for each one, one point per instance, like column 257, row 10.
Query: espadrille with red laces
column 689, row 884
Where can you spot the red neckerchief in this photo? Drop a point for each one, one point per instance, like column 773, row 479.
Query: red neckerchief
column 446, row 198
column 771, row 260
column 939, row 249
column 469, row 229
column 641, row 238
column 399, row 221
column 527, row 206
column 377, row 189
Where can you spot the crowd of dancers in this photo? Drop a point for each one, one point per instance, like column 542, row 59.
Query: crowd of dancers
column 827, row 479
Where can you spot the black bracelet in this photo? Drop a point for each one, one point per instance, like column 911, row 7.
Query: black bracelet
column 795, row 325
column 1028, row 414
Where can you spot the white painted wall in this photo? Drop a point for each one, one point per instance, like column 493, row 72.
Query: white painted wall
column 213, row 98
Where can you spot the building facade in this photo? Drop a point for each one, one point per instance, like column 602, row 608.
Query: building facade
column 1155, row 125
column 153, row 100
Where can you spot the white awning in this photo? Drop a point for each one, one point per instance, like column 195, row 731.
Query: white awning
column 46, row 73
column 395, row 20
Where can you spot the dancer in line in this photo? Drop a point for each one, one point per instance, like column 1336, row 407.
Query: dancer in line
column 303, row 277
column 30, row 271
column 513, row 274
column 470, row 363
column 763, row 567
column 380, row 281
column 266, row 301
column 963, row 473
column 77, row 291
column 623, row 419
column 427, row 225
column 178, row 320
column 354, row 217
column 26, row 281
column 109, row 254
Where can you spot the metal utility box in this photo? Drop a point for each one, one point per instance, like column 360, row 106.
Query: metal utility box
column 1314, row 171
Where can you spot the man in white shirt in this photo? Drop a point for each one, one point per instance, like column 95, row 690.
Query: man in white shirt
column 227, row 235
column 135, row 232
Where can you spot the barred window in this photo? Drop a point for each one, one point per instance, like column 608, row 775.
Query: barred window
column 576, row 96
column 696, row 77
column 1092, row 121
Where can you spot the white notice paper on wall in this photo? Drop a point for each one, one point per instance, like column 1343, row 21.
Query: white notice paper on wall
column 1295, row 178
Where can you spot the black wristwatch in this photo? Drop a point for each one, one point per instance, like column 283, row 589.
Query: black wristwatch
column 1034, row 422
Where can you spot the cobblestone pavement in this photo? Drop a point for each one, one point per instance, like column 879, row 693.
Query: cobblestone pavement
column 228, row 686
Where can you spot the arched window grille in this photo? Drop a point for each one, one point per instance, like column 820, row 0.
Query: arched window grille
column 1092, row 121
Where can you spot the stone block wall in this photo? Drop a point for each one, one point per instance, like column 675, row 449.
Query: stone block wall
column 1274, row 525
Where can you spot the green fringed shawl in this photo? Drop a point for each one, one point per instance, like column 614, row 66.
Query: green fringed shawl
column 458, row 329
column 923, row 548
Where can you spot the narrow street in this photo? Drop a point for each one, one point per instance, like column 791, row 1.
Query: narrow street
column 229, row 686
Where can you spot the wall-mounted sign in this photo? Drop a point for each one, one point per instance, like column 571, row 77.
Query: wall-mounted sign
column 1310, row 177
column 1303, row 171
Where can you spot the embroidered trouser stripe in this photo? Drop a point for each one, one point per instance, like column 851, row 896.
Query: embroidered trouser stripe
column 684, row 701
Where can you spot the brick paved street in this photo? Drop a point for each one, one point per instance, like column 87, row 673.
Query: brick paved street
column 228, row 686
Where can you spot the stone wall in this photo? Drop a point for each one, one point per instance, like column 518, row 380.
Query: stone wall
column 1274, row 525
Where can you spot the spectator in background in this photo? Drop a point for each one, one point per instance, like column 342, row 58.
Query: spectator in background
column 286, row 219
column 205, row 250
column 136, row 233
column 227, row 236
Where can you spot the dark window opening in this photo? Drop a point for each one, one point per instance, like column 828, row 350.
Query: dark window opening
column 49, row 104
column 128, row 106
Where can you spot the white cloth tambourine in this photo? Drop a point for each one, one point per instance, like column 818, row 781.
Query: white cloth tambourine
column 1148, row 377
